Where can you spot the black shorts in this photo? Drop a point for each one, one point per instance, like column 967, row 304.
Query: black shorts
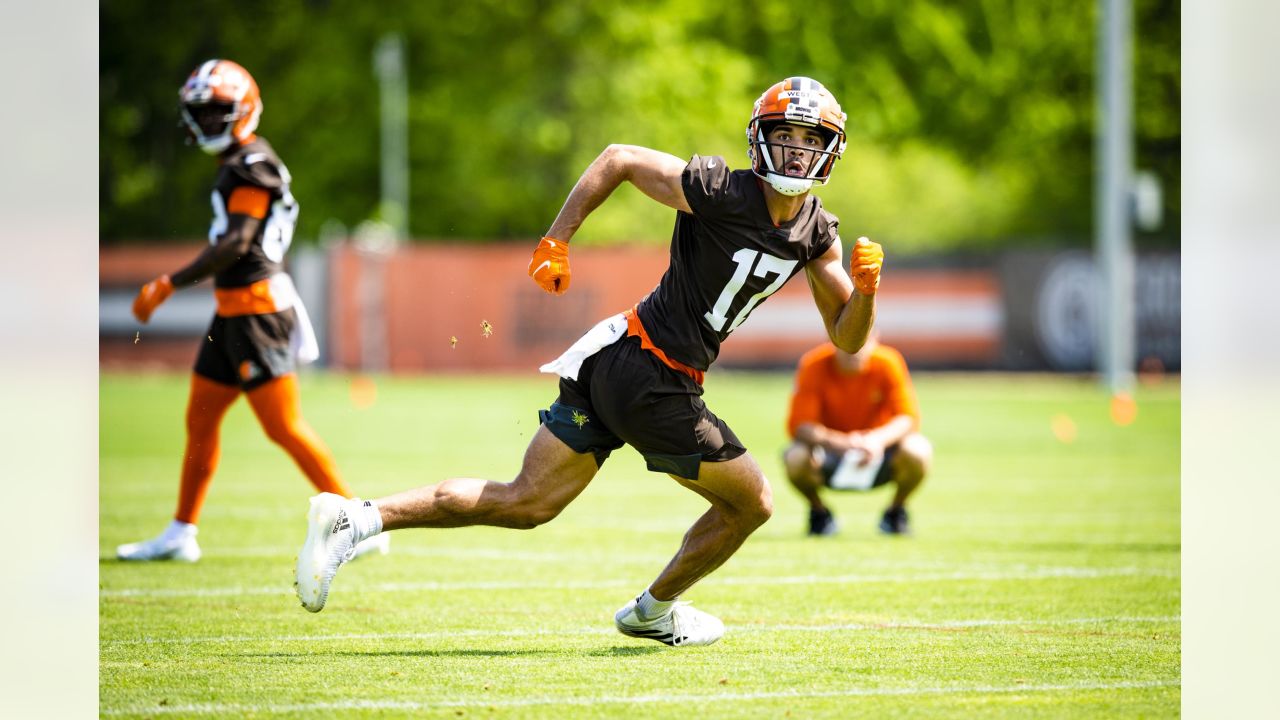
column 625, row 394
column 883, row 475
column 247, row 350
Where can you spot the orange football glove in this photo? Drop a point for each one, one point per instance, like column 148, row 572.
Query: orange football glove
column 150, row 297
column 550, row 266
column 864, row 267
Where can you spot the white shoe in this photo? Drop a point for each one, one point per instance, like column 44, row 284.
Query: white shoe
column 168, row 545
column 380, row 544
column 682, row 626
column 330, row 543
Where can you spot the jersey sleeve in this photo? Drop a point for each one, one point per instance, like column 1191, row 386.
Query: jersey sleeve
column 258, row 169
column 249, row 200
column 707, row 185
column 806, row 397
column 828, row 233
column 900, row 395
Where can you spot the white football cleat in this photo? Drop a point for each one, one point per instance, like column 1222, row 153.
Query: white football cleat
column 379, row 544
column 682, row 626
column 169, row 545
column 330, row 543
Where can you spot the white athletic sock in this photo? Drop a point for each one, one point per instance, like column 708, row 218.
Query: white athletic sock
column 178, row 530
column 650, row 608
column 366, row 519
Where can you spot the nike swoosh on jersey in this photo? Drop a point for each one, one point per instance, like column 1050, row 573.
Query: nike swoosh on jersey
column 252, row 158
column 711, row 164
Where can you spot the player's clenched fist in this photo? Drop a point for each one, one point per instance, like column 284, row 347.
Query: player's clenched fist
column 150, row 297
column 864, row 266
column 550, row 266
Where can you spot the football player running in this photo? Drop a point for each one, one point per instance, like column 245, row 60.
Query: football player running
column 636, row 378
column 260, row 330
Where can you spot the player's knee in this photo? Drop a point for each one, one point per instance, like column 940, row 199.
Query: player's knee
column 917, row 453
column 199, row 423
column 753, row 514
column 524, row 510
column 798, row 459
column 280, row 433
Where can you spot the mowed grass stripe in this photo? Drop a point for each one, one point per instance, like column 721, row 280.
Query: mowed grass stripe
column 1046, row 573
column 539, row 632
column 687, row 699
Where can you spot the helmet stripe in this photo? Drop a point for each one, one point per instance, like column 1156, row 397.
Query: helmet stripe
column 207, row 68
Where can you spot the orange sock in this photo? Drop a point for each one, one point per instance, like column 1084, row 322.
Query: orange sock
column 206, row 407
column 279, row 409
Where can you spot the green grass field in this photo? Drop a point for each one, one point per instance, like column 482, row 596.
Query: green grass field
column 1042, row 580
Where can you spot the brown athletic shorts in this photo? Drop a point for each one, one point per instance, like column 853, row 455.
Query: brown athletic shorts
column 626, row 395
column 247, row 350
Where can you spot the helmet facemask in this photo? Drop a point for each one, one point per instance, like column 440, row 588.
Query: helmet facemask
column 796, row 168
column 210, row 124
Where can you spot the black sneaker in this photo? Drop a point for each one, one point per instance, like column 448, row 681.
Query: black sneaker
column 894, row 522
column 822, row 522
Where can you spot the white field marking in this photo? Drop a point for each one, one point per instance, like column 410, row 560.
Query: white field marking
column 242, row 709
column 1031, row 573
column 839, row 627
column 759, row 564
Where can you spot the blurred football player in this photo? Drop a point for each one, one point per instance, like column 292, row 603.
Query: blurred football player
column 636, row 377
column 855, row 425
column 260, row 331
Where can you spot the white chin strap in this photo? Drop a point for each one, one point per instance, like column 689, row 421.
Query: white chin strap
column 216, row 144
column 788, row 185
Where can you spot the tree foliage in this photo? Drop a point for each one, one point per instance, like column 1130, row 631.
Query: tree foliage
column 970, row 124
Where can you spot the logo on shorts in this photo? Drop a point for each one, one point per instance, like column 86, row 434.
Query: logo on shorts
column 580, row 419
column 249, row 370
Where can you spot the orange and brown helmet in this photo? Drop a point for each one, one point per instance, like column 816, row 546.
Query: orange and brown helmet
column 220, row 105
column 797, row 101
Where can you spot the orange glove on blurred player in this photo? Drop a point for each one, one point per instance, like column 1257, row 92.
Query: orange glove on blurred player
column 550, row 266
column 150, row 297
column 864, row 267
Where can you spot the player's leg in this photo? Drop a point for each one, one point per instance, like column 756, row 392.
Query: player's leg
column 278, row 407
column 907, row 470
column 207, row 404
column 741, row 501
column 564, row 455
column 551, row 476
column 660, row 412
column 803, row 464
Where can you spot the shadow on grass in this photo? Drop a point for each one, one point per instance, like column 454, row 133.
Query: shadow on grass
column 616, row 651
column 426, row 652
column 628, row 651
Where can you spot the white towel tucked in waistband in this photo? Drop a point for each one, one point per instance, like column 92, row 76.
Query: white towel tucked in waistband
column 606, row 332
column 302, row 341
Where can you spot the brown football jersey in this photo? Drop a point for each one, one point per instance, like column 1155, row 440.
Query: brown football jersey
column 255, row 165
column 726, row 258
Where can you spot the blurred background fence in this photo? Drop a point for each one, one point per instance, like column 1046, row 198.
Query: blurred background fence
column 401, row 309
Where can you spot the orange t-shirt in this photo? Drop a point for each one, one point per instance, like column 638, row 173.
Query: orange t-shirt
column 845, row 402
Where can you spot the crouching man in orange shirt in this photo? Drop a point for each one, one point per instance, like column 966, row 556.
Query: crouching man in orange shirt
column 854, row 422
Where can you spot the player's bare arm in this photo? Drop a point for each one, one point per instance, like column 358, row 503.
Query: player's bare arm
column 816, row 434
column 878, row 438
column 847, row 314
column 654, row 173
column 230, row 246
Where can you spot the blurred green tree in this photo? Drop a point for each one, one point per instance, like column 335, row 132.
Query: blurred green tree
column 971, row 124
